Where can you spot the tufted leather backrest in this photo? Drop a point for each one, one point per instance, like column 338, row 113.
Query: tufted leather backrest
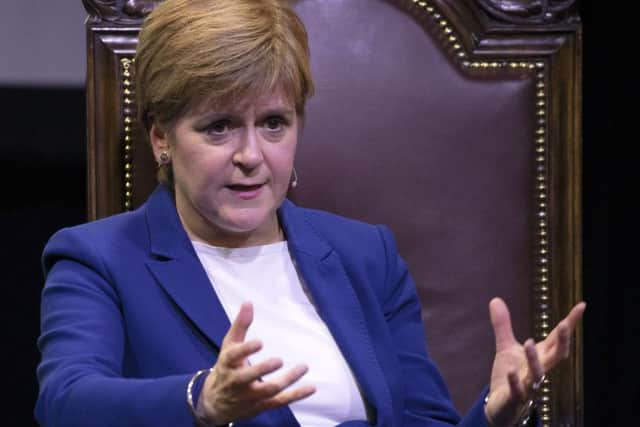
column 456, row 123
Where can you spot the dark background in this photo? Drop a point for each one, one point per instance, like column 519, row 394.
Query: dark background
column 43, row 170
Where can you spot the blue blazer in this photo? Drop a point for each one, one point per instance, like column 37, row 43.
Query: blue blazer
column 128, row 315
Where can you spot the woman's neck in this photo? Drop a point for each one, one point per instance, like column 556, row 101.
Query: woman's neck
column 208, row 233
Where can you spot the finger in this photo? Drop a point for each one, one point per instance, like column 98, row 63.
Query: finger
column 555, row 347
column 572, row 319
column 274, row 386
column 236, row 354
column 288, row 397
column 255, row 372
column 563, row 343
column 240, row 325
column 501, row 321
column 557, row 344
column 575, row 315
column 536, row 371
column 516, row 387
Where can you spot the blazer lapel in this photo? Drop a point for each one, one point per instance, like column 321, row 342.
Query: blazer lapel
column 339, row 307
column 177, row 269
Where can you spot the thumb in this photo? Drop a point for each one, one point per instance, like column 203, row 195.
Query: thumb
column 501, row 322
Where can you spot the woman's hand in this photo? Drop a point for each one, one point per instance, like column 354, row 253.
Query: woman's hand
column 518, row 369
column 233, row 389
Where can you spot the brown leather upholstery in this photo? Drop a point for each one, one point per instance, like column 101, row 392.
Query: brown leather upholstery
column 456, row 123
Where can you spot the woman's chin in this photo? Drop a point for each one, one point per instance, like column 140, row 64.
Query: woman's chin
column 255, row 227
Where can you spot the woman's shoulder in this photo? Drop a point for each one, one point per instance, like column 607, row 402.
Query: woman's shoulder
column 104, row 228
column 367, row 251
column 331, row 221
column 111, row 234
column 124, row 226
column 340, row 232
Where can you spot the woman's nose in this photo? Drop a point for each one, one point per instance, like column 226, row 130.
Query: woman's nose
column 249, row 153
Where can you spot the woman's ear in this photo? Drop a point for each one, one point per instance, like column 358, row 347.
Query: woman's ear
column 159, row 143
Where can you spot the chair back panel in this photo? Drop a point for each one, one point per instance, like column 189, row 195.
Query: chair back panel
column 395, row 136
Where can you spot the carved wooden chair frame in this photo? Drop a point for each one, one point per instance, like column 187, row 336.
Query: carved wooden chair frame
column 543, row 38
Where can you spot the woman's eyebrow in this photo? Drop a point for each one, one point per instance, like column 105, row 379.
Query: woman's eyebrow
column 211, row 116
column 277, row 111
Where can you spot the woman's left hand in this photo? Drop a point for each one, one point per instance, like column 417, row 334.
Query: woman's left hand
column 518, row 369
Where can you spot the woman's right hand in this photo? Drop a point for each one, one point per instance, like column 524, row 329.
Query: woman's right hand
column 233, row 390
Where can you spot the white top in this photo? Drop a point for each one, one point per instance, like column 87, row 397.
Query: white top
column 286, row 322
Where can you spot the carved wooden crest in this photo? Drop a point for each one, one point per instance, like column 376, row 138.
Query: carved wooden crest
column 125, row 11
column 530, row 11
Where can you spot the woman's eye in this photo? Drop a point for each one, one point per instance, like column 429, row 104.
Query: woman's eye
column 274, row 123
column 219, row 127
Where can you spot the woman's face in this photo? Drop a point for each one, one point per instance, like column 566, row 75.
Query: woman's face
column 232, row 168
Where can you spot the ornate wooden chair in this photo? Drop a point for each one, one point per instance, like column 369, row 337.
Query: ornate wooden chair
column 455, row 122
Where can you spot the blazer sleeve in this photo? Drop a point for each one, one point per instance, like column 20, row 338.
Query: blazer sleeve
column 82, row 345
column 427, row 402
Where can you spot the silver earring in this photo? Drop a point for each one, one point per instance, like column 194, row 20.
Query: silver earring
column 294, row 181
column 164, row 158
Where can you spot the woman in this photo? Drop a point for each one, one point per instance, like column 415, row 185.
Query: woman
column 218, row 301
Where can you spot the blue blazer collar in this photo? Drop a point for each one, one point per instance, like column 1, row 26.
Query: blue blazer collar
column 338, row 305
column 178, row 270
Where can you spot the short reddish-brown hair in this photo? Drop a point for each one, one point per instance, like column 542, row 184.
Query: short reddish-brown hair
column 192, row 52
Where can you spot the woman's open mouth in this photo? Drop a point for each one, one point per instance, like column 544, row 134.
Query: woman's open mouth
column 246, row 191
